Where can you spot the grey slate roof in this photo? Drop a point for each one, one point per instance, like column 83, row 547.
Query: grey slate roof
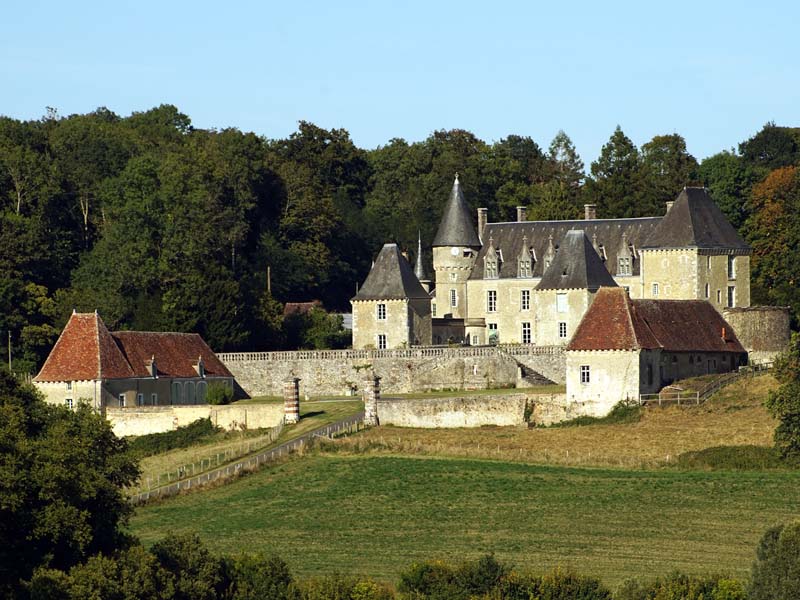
column 608, row 233
column 390, row 278
column 694, row 221
column 419, row 269
column 576, row 266
column 456, row 228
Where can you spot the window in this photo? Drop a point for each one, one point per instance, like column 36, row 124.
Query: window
column 139, row 399
column 547, row 263
column 381, row 341
column 453, row 276
column 719, row 296
column 731, row 267
column 69, row 386
column 731, row 296
column 708, row 291
column 525, row 300
column 154, row 399
column 624, row 265
column 381, row 312
column 68, row 403
column 708, row 263
column 655, row 290
column 121, row 400
column 561, row 303
column 493, row 335
column 453, row 298
column 433, row 309
column 474, row 340
column 202, row 392
column 490, row 268
column 177, row 388
column 562, row 330
column 526, row 333
column 585, row 374
column 189, row 392
column 491, row 301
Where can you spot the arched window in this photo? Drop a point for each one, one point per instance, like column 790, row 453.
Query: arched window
column 202, row 392
column 176, row 397
column 189, row 393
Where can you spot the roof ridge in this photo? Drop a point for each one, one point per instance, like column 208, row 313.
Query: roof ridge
column 99, row 354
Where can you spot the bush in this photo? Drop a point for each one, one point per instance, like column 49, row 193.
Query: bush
column 198, row 574
column 776, row 572
column 339, row 587
column 219, row 393
column 182, row 437
column 256, row 577
column 735, row 458
column 679, row 586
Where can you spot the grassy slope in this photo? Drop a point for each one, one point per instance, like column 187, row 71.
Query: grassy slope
column 377, row 514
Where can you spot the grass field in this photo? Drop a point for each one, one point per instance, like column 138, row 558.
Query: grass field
column 312, row 416
column 377, row 514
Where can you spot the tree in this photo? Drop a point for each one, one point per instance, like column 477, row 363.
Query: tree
column 776, row 572
column 198, row 574
column 566, row 163
column 63, row 474
column 784, row 402
column 666, row 168
column 614, row 185
column 771, row 148
column 729, row 180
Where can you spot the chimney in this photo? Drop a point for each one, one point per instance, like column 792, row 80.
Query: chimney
column 724, row 339
column 669, row 205
column 590, row 211
column 483, row 216
column 522, row 214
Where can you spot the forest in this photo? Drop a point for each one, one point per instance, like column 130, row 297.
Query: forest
column 159, row 225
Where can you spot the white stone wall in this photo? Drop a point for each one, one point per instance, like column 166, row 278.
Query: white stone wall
column 466, row 411
column 613, row 376
column 58, row 392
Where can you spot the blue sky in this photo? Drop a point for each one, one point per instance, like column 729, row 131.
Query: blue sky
column 714, row 72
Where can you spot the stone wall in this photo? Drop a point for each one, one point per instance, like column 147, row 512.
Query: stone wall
column 156, row 419
column 762, row 330
column 335, row 372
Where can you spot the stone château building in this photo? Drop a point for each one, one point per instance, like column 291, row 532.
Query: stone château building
column 531, row 282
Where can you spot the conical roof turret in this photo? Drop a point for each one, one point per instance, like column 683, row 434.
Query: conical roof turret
column 456, row 227
column 419, row 269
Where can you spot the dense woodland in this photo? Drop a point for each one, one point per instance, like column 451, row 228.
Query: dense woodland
column 163, row 226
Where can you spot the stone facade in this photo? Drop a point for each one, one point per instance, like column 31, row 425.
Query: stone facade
column 763, row 330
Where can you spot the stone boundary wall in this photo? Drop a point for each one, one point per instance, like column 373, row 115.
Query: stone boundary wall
column 336, row 372
column 472, row 411
column 157, row 419
column 764, row 331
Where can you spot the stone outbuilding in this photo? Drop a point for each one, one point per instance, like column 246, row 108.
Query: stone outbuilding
column 127, row 369
column 625, row 347
column 391, row 309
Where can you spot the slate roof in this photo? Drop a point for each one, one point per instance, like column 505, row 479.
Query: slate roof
column 419, row 268
column 576, row 266
column 86, row 350
column 616, row 322
column 456, row 227
column 695, row 222
column 390, row 278
column 608, row 234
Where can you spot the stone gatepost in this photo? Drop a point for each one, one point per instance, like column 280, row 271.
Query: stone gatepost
column 372, row 393
column 291, row 400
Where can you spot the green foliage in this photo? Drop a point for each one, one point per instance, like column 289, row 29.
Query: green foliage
column 624, row 411
column 776, row 572
column 735, row 458
column 339, row 587
column 258, row 577
column 315, row 329
column 182, row 437
column 62, row 475
column 198, row 574
column 784, row 402
column 678, row 586
column 219, row 393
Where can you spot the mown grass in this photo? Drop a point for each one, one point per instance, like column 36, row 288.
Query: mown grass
column 312, row 416
column 377, row 514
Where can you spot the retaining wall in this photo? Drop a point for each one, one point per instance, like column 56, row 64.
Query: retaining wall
column 762, row 330
column 335, row 372
column 157, row 419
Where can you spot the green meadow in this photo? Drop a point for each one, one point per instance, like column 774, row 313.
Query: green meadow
column 375, row 514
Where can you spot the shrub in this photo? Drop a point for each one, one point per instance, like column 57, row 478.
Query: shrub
column 679, row 586
column 257, row 577
column 339, row 587
column 776, row 572
column 182, row 437
column 198, row 574
column 784, row 402
column 741, row 458
column 219, row 393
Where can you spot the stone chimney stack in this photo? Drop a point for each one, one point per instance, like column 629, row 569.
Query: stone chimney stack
column 522, row 214
column 669, row 205
column 291, row 400
column 483, row 217
column 590, row 212
column 372, row 394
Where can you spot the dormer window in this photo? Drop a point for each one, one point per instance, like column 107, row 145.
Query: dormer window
column 491, row 262
column 200, row 367
column 525, row 261
column 624, row 266
column 151, row 367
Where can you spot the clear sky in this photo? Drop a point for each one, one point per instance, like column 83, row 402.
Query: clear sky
column 714, row 72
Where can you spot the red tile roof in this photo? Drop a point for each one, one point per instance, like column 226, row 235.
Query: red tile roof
column 615, row 322
column 86, row 350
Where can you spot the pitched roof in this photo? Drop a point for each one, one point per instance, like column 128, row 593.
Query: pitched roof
column 300, row 308
column 86, row 350
column 607, row 232
column 176, row 354
column 456, row 228
column 694, row 221
column 615, row 322
column 576, row 266
column 390, row 278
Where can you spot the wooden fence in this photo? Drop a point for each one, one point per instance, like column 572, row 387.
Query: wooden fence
column 348, row 425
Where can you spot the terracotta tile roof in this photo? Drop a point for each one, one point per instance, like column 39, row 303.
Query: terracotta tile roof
column 86, row 350
column 615, row 322
column 300, row 308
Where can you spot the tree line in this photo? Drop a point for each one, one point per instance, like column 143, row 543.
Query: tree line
column 163, row 226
